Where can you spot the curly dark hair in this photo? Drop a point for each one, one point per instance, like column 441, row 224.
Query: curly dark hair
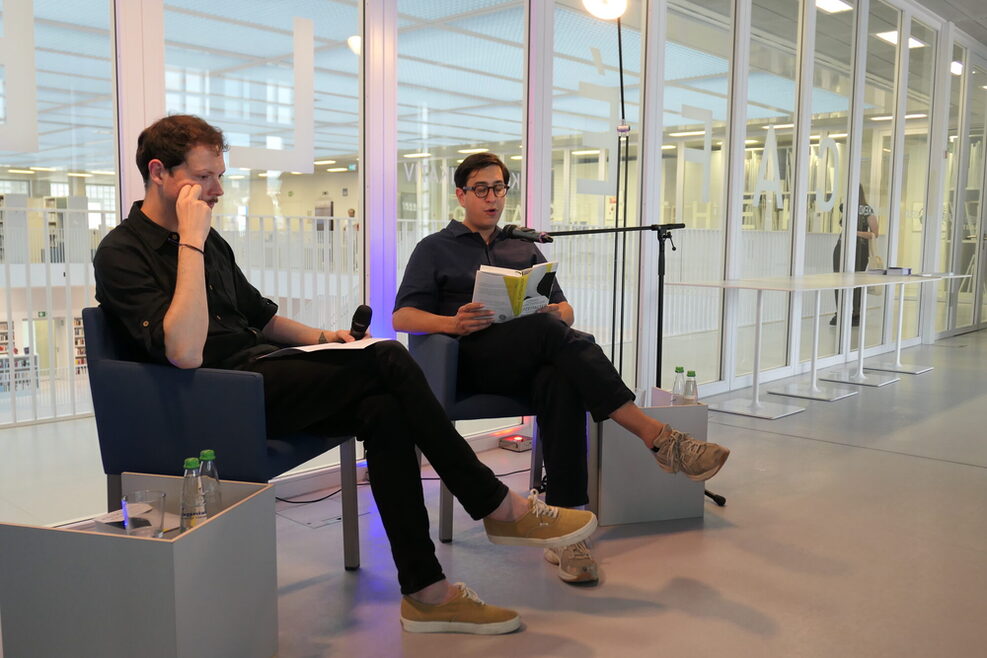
column 478, row 161
column 171, row 138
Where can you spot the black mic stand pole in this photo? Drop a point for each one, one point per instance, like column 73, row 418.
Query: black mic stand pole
column 663, row 233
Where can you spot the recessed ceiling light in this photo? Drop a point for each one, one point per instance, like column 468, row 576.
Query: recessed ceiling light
column 21, row 171
column 956, row 68
column 668, row 147
column 468, row 151
column 234, row 177
column 324, row 162
column 751, row 141
column 892, row 38
column 335, row 169
column 102, row 173
column 515, row 157
column 688, row 133
column 78, row 175
column 587, row 152
column 780, row 126
column 423, row 154
column 44, row 168
column 838, row 135
column 832, row 6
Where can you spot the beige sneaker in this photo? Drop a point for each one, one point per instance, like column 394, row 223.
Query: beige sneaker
column 676, row 452
column 543, row 526
column 576, row 564
column 464, row 614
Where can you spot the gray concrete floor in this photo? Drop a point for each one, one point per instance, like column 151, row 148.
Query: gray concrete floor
column 855, row 528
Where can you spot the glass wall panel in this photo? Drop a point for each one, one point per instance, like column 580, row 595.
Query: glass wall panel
column 971, row 196
column 874, row 187
column 769, row 172
column 58, row 188
column 832, row 80
column 451, row 106
column 949, row 210
column 460, row 88
column 915, row 170
column 588, row 168
column 698, row 54
column 294, row 222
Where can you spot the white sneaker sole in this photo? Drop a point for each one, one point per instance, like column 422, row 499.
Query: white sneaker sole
column 573, row 537
column 498, row 628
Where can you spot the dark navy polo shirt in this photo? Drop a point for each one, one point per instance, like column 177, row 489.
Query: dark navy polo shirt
column 136, row 267
column 440, row 273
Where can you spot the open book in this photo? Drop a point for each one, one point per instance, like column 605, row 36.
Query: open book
column 512, row 294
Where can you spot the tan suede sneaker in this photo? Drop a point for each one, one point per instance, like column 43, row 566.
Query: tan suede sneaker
column 676, row 452
column 542, row 525
column 576, row 563
column 464, row 614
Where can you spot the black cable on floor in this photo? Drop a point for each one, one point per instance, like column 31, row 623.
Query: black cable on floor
column 361, row 484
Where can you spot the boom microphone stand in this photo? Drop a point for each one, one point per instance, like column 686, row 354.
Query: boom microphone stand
column 663, row 233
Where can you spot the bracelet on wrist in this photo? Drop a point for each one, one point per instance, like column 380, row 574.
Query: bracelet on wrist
column 192, row 247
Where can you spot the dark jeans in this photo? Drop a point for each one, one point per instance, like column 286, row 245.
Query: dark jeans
column 564, row 372
column 860, row 265
column 381, row 395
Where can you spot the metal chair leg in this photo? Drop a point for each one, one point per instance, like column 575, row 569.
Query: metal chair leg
column 445, row 513
column 534, row 481
column 351, row 527
column 114, row 492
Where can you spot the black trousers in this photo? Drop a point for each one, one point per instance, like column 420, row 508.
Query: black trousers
column 380, row 395
column 564, row 372
column 859, row 265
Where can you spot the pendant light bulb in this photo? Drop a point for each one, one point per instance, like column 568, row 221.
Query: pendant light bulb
column 608, row 10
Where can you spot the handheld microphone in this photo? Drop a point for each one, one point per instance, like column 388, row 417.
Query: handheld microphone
column 515, row 232
column 361, row 321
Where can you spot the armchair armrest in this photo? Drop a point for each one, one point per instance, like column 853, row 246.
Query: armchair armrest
column 150, row 417
column 438, row 357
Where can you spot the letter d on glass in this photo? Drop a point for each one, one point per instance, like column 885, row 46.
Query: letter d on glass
column 18, row 94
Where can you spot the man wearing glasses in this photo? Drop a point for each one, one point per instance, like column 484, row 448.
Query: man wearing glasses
column 562, row 370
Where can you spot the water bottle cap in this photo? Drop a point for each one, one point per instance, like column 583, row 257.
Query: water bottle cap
column 207, row 455
column 679, row 369
column 691, row 373
column 191, row 463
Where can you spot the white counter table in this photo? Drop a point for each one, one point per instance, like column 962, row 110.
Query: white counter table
column 813, row 389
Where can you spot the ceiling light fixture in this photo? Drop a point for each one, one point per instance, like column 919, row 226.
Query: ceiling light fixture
column 355, row 43
column 77, row 175
column 335, row 169
column 688, row 133
column 956, row 68
column 668, row 147
column 606, row 9
column 423, row 154
column 20, row 171
column 468, row 151
column 892, row 38
column 832, row 6
column 780, row 126
column 587, row 152
column 44, row 169
column 324, row 162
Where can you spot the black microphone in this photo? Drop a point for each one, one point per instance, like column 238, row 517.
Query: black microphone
column 361, row 321
column 515, row 232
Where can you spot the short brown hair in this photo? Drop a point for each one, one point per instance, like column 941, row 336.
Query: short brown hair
column 479, row 161
column 170, row 139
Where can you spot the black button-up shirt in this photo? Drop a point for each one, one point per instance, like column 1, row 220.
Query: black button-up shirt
column 136, row 268
column 440, row 273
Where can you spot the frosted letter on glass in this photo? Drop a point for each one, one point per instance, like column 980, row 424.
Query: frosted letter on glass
column 19, row 130
column 602, row 141
column 768, row 182
column 301, row 157
column 704, row 156
column 827, row 152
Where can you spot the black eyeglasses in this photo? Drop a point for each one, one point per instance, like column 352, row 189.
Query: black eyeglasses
column 482, row 189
